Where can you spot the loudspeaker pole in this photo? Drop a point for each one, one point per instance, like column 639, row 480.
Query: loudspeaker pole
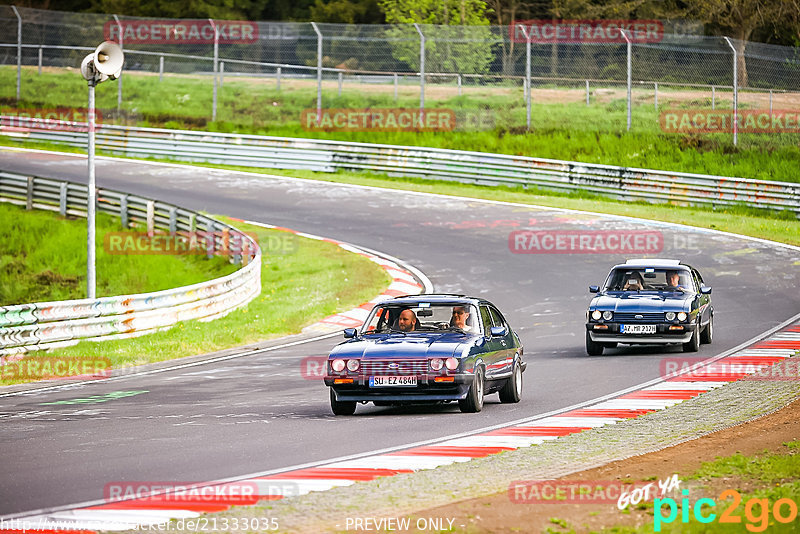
column 91, row 202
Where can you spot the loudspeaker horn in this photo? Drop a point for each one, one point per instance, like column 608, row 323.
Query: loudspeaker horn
column 108, row 59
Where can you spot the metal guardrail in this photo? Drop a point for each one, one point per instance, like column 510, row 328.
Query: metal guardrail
column 44, row 325
column 622, row 183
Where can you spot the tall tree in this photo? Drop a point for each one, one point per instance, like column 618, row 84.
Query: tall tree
column 461, row 42
column 741, row 18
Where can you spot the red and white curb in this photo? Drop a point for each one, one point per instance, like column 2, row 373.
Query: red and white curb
column 157, row 509
column 404, row 282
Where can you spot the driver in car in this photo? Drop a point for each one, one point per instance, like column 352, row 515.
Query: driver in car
column 407, row 321
column 674, row 281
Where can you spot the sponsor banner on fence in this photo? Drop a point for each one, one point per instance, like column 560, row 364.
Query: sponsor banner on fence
column 61, row 119
column 723, row 121
column 48, row 368
column 181, row 31
column 124, row 243
column 587, row 31
column 379, row 120
column 585, row 241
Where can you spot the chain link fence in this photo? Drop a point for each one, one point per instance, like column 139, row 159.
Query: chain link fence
column 510, row 83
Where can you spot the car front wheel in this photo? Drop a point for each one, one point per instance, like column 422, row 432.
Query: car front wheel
column 512, row 391
column 342, row 407
column 708, row 334
column 693, row 345
column 474, row 401
column 593, row 348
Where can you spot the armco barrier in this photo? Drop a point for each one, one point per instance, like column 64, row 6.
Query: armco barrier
column 468, row 167
column 44, row 325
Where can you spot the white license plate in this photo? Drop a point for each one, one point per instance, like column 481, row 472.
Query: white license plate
column 384, row 381
column 638, row 329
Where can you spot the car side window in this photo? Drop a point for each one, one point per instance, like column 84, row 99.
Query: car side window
column 486, row 319
column 497, row 319
column 698, row 279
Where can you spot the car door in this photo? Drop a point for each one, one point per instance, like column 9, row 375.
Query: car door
column 505, row 358
column 704, row 301
column 493, row 348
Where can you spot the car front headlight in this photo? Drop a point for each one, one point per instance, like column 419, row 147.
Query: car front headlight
column 337, row 365
column 353, row 365
column 596, row 315
column 451, row 363
column 437, row 364
column 670, row 316
column 682, row 316
column 607, row 315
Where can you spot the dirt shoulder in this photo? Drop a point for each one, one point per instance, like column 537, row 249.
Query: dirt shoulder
column 498, row 514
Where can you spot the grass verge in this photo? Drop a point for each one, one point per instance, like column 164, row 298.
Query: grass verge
column 303, row 281
column 563, row 126
column 43, row 258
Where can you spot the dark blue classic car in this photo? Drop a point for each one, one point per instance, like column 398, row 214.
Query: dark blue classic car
column 650, row 302
column 427, row 349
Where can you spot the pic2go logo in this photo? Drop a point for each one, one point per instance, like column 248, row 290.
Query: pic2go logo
column 756, row 511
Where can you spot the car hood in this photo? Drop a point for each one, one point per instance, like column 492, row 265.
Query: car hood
column 642, row 302
column 402, row 346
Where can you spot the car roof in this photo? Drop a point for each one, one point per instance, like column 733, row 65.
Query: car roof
column 654, row 262
column 436, row 298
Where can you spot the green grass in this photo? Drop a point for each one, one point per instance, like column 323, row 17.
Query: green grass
column 562, row 130
column 301, row 283
column 43, row 258
column 774, row 475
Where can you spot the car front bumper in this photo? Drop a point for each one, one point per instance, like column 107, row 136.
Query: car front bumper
column 663, row 334
column 426, row 389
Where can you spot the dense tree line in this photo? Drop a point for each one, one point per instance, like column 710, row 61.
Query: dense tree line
column 772, row 21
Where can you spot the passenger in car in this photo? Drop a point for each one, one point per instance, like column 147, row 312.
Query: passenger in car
column 407, row 321
column 461, row 318
column 633, row 282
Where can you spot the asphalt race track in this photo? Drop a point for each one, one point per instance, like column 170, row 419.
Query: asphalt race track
column 258, row 413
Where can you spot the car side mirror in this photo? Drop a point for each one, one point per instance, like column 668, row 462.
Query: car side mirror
column 705, row 290
column 350, row 333
column 594, row 289
column 498, row 331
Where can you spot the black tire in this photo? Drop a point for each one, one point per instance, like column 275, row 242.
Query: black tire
column 342, row 407
column 708, row 334
column 592, row 347
column 512, row 390
column 474, row 401
column 610, row 345
column 693, row 345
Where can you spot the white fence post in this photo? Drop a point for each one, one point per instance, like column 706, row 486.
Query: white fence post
column 216, row 59
column 421, row 67
column 735, row 94
column 527, row 75
column 119, row 80
column 630, row 51
column 19, row 49
column 319, row 71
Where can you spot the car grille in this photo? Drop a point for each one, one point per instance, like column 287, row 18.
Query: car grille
column 398, row 367
column 632, row 317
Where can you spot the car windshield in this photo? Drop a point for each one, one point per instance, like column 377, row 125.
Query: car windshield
column 650, row 279
column 422, row 317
